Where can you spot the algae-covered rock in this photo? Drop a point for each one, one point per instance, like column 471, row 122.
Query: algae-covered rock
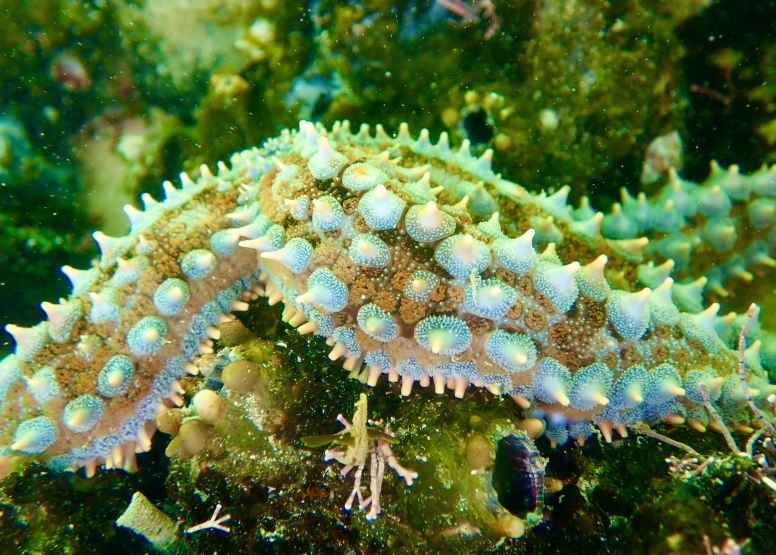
column 146, row 520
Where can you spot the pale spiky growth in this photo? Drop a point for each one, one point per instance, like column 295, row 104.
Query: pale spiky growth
column 364, row 442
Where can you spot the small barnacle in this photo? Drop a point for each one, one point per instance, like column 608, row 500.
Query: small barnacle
column 327, row 214
column 147, row 335
column 198, row 263
column 82, row 413
column 362, row 177
column 462, row 254
column 426, row 223
column 367, row 249
column 34, row 436
column 171, row 295
column 380, row 208
column 114, row 377
column 295, row 255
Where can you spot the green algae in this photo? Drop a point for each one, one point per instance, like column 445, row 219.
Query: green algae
column 588, row 62
column 35, row 244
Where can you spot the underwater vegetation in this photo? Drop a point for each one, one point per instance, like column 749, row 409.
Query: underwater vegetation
column 507, row 332
column 35, row 244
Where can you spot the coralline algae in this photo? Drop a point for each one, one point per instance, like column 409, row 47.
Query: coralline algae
column 412, row 261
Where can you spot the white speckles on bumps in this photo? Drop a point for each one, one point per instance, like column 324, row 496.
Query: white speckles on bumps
column 363, row 250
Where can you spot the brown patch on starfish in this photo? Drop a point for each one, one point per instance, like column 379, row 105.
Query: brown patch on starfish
column 124, row 293
column 570, row 359
column 371, row 272
column 439, row 293
column 350, row 205
column 525, row 286
column 506, row 276
column 325, row 254
column 455, row 294
column 104, row 329
column 677, row 332
column 477, row 325
column 659, row 354
column 595, row 313
column 79, row 383
column 411, row 311
column 535, row 319
column 558, row 333
column 345, row 269
column 662, row 331
column 695, row 345
column 512, row 328
column 301, row 229
column 610, row 359
column 362, row 290
column 680, row 357
column 544, row 302
column 385, row 300
column 360, row 225
column 515, row 311
column 629, row 356
column 400, row 279
column 167, row 265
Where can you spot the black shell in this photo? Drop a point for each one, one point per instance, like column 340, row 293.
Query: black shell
column 518, row 475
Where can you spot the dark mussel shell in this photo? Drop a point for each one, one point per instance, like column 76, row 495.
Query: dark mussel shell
column 518, row 475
